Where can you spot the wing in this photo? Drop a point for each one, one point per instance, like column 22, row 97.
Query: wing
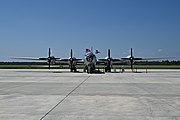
column 116, row 60
column 101, row 61
column 67, row 60
column 25, row 58
column 142, row 59
column 113, row 60
column 39, row 59
column 63, row 60
column 127, row 59
column 80, row 61
column 156, row 58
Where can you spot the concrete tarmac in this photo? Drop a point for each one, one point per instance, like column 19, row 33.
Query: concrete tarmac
column 60, row 95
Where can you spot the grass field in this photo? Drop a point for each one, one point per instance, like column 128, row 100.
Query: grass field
column 81, row 67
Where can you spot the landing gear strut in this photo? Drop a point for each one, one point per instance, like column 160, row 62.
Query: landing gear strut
column 73, row 69
column 107, row 69
column 89, row 69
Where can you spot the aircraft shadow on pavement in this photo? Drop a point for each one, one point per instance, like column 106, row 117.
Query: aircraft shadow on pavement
column 97, row 72
column 38, row 71
column 94, row 72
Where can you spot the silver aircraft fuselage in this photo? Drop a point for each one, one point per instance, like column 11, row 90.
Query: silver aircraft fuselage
column 90, row 59
column 90, row 62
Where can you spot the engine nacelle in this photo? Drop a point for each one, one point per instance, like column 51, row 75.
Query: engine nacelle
column 51, row 60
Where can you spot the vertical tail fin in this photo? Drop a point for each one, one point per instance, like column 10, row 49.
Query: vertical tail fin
column 91, row 49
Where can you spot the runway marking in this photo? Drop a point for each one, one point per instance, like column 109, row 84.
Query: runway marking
column 64, row 98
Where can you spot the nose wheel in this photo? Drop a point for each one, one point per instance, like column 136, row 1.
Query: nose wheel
column 89, row 69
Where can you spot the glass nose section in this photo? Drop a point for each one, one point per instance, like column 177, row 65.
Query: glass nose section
column 89, row 58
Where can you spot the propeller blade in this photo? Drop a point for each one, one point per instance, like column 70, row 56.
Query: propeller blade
column 49, row 52
column 109, row 54
column 71, row 61
column 49, row 58
column 71, row 53
column 131, row 53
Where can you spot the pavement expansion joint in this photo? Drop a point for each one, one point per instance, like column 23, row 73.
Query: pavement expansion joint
column 64, row 98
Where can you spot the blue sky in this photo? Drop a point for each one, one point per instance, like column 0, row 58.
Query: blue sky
column 29, row 27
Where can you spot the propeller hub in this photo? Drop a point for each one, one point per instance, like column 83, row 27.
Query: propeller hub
column 131, row 58
column 71, row 59
column 109, row 59
column 49, row 59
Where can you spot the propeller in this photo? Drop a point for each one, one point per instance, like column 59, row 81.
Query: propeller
column 49, row 59
column 131, row 59
column 71, row 60
column 109, row 61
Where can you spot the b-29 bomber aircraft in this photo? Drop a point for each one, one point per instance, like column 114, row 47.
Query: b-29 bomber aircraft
column 90, row 60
